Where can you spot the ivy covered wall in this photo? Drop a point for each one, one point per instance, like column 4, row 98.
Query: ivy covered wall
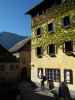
column 54, row 14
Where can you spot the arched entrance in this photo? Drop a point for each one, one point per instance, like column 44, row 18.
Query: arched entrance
column 24, row 73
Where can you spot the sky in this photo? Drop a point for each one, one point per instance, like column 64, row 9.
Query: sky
column 12, row 18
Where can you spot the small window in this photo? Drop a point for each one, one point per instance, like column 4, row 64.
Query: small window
column 2, row 67
column 38, row 31
column 12, row 67
column 39, row 52
column 66, row 21
column 51, row 27
column 40, row 73
column 68, row 47
column 51, row 50
column 68, row 76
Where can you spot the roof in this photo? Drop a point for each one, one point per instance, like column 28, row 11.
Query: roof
column 19, row 45
column 43, row 5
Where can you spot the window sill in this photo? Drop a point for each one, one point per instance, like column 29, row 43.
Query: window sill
column 68, row 82
column 73, row 54
column 69, row 53
column 38, row 36
column 66, row 26
column 52, row 55
column 51, row 32
column 39, row 56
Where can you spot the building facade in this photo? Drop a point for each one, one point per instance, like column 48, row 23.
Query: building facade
column 22, row 51
column 53, row 41
column 9, row 66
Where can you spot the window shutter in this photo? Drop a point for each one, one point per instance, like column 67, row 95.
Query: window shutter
column 40, row 73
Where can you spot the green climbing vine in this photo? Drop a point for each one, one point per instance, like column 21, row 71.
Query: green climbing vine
column 61, row 33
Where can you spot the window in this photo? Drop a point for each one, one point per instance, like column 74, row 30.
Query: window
column 68, row 47
column 53, row 74
column 39, row 52
column 51, row 27
column 2, row 67
column 38, row 31
column 52, row 50
column 68, row 76
column 40, row 73
column 66, row 21
column 49, row 74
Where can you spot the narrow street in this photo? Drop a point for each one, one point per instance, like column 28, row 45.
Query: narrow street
column 24, row 91
column 27, row 93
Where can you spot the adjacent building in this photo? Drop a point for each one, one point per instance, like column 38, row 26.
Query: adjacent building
column 53, row 41
column 9, row 66
column 22, row 51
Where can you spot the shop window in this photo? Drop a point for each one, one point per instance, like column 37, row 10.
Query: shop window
column 68, row 76
column 40, row 73
column 53, row 74
column 39, row 52
column 52, row 50
column 66, row 21
column 49, row 74
column 57, row 75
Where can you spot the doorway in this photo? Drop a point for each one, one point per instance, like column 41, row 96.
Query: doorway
column 24, row 73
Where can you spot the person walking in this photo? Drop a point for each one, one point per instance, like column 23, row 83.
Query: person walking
column 64, row 93
column 42, row 82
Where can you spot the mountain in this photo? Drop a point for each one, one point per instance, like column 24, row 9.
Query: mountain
column 8, row 39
